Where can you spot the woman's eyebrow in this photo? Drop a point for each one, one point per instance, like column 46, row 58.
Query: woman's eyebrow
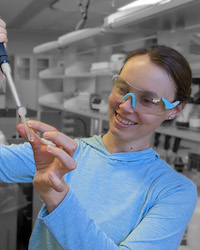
column 144, row 90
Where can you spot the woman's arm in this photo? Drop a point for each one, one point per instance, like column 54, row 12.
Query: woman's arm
column 161, row 227
column 17, row 163
column 52, row 163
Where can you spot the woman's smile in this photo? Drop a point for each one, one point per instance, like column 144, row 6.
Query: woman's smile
column 124, row 120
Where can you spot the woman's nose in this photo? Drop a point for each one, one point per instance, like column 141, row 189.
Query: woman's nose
column 126, row 105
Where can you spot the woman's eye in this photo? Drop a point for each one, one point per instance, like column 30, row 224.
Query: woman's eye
column 122, row 90
column 148, row 101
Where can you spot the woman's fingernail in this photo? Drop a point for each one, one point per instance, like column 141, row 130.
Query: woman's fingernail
column 49, row 148
column 46, row 135
column 30, row 123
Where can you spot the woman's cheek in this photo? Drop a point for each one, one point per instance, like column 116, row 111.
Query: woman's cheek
column 112, row 102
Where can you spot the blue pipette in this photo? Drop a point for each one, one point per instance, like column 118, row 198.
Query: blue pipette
column 5, row 67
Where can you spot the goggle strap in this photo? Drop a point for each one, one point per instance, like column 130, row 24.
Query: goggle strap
column 133, row 98
column 169, row 105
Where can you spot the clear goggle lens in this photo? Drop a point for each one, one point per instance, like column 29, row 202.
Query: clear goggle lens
column 142, row 101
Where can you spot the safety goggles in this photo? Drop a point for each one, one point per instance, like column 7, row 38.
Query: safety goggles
column 142, row 101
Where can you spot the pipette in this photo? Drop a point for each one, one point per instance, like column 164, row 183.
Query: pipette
column 5, row 67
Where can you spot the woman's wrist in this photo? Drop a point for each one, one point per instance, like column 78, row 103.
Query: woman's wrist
column 53, row 198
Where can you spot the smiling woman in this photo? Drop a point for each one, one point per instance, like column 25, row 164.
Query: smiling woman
column 111, row 191
column 155, row 74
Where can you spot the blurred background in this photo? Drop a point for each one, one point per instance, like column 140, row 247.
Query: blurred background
column 63, row 54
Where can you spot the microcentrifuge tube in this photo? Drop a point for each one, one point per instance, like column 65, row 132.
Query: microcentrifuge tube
column 29, row 131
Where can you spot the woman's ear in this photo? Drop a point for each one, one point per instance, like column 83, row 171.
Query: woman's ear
column 176, row 111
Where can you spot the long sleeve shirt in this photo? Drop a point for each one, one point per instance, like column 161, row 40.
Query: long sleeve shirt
column 128, row 200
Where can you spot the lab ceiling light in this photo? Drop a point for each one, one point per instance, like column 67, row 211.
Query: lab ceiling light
column 139, row 10
column 67, row 39
column 45, row 47
column 78, row 35
column 141, row 4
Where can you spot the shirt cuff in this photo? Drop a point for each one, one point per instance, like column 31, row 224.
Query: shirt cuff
column 44, row 213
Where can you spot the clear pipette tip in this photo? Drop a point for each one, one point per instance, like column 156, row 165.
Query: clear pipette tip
column 29, row 131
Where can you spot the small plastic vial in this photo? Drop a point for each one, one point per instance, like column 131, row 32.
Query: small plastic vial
column 194, row 121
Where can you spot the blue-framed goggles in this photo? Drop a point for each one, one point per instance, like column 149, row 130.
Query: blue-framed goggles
column 142, row 101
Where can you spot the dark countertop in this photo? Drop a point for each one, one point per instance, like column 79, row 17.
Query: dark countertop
column 12, row 113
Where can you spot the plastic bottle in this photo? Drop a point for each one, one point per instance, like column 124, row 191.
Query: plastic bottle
column 183, row 118
column 194, row 121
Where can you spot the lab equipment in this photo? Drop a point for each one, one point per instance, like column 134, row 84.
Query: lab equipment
column 5, row 67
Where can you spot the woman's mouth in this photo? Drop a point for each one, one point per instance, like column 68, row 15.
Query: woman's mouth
column 124, row 121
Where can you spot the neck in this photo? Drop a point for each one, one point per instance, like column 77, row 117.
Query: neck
column 114, row 144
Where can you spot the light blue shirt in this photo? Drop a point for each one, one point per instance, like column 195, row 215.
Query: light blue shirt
column 123, row 200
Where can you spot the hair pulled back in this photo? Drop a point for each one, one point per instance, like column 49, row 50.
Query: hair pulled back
column 173, row 63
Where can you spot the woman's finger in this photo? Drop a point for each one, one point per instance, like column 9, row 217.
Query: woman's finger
column 2, row 23
column 52, row 134
column 67, row 161
column 40, row 126
column 3, row 38
column 56, row 182
column 36, row 144
column 3, row 32
column 61, row 140
column 22, row 131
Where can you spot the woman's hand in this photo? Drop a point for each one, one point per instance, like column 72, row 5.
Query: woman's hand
column 3, row 32
column 52, row 162
column 3, row 39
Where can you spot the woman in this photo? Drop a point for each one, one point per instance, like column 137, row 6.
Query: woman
column 112, row 191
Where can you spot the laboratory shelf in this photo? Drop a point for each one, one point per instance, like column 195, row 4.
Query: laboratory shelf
column 183, row 133
column 78, row 75
column 53, row 77
column 90, row 74
column 53, row 105
column 88, row 113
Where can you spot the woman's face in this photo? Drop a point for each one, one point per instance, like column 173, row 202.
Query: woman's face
column 127, row 124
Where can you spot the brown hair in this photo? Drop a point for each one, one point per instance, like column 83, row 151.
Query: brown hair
column 174, row 64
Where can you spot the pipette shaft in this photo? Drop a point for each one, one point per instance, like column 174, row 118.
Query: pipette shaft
column 5, row 67
column 7, row 72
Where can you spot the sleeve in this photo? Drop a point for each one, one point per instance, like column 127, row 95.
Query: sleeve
column 17, row 163
column 161, row 228
column 166, row 221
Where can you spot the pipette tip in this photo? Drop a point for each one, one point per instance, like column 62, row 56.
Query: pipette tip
column 29, row 132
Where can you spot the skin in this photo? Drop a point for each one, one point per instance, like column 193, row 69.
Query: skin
column 3, row 39
column 53, row 162
column 3, row 32
column 142, row 73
